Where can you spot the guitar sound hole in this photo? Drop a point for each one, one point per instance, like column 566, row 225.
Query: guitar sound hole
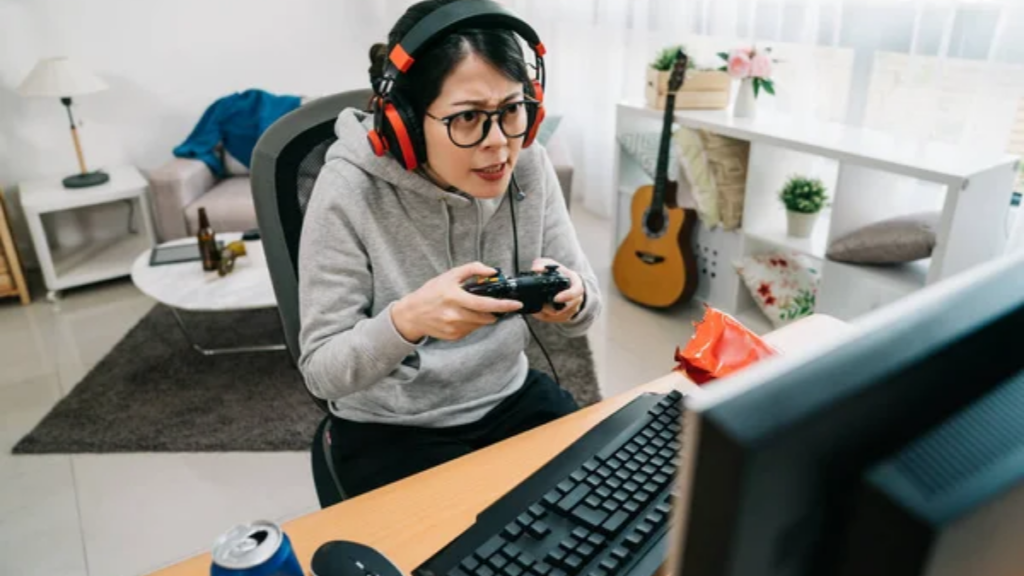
column 655, row 223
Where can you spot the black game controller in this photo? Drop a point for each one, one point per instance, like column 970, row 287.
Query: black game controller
column 533, row 289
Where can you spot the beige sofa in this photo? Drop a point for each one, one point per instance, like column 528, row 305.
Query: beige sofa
column 181, row 186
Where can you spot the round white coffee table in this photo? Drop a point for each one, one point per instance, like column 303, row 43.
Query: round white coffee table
column 185, row 286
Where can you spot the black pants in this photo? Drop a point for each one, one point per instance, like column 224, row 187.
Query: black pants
column 368, row 455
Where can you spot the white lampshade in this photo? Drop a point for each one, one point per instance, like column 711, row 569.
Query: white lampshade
column 60, row 77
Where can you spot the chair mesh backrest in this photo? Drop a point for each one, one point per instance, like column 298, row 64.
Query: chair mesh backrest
column 285, row 165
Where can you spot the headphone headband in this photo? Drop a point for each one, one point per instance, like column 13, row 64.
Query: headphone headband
column 484, row 14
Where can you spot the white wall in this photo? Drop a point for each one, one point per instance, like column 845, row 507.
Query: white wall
column 165, row 62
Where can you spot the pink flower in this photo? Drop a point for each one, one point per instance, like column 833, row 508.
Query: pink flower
column 739, row 64
column 761, row 66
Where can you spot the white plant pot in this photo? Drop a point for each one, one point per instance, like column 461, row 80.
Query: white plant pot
column 801, row 225
column 746, row 103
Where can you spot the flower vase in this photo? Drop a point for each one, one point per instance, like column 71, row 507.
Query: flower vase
column 746, row 102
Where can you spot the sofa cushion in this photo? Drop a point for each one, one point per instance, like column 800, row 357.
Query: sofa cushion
column 228, row 205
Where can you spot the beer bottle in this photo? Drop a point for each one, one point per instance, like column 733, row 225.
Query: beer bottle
column 207, row 243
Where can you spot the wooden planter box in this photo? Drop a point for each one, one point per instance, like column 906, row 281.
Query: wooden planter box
column 702, row 90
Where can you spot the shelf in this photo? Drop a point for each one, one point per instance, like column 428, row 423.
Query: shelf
column 903, row 278
column 101, row 260
column 934, row 161
column 815, row 246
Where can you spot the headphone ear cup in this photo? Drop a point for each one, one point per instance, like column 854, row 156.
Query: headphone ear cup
column 536, row 116
column 399, row 134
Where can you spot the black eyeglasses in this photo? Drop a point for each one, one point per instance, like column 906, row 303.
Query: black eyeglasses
column 470, row 127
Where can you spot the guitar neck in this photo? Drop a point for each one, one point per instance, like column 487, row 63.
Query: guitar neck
column 661, row 172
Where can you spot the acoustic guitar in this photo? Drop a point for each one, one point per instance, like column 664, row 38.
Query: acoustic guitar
column 655, row 265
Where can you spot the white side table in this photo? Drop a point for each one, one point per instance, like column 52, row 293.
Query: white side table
column 102, row 254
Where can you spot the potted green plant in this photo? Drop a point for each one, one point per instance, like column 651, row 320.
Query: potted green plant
column 804, row 198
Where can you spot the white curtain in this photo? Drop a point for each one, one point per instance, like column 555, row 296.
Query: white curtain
column 951, row 70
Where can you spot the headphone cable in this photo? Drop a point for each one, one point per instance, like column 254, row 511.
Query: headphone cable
column 515, row 266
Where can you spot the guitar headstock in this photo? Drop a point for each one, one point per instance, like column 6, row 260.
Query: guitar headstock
column 675, row 80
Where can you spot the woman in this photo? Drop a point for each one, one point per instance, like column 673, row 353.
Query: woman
column 416, row 370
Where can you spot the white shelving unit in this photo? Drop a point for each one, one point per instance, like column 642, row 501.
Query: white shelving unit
column 870, row 176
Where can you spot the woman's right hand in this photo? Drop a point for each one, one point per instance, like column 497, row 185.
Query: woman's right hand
column 442, row 309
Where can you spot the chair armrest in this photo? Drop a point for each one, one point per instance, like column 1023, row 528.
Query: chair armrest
column 174, row 186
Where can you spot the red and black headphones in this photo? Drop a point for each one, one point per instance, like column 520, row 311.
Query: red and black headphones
column 396, row 130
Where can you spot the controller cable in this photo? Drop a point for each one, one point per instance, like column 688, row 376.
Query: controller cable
column 515, row 265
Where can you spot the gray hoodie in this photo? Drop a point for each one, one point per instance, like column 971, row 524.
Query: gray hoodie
column 374, row 233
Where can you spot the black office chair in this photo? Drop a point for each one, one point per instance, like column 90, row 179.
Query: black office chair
column 285, row 164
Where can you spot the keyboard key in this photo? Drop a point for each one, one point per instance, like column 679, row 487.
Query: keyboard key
column 633, row 541
column 631, row 486
column 484, row 570
column 538, row 530
column 620, row 496
column 489, row 548
column 622, row 474
column 591, row 465
column 586, row 550
column 619, row 553
column 614, row 463
column 537, row 511
column 552, row 498
column 663, row 507
column 541, row 568
column 655, row 518
column 593, row 500
column 557, row 556
column 590, row 516
column 610, row 505
column 572, row 499
column 498, row 561
column 633, row 466
column 651, row 487
column 565, row 486
column 632, row 506
column 512, row 531
column 593, row 481
column 673, row 445
column 511, row 551
column 614, row 483
column 641, row 478
column 604, row 471
column 526, row 560
column 614, row 524
column 558, row 572
column 578, row 476
column 574, row 562
column 610, row 564
column 648, row 433
column 469, row 564
column 524, row 519
column 603, row 492
column 650, row 450
column 631, row 448
column 660, row 479
column 596, row 540
column 644, row 529
column 512, row 569
column 658, row 426
column 666, row 454
column 580, row 533
column 570, row 544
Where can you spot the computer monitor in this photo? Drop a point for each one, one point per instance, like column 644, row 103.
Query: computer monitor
column 775, row 459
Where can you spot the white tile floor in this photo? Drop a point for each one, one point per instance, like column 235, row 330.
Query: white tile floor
column 128, row 514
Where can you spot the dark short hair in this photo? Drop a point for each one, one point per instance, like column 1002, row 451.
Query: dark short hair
column 422, row 84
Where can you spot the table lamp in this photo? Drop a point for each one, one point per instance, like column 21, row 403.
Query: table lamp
column 63, row 78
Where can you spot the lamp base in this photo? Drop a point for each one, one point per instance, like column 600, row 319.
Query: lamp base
column 86, row 180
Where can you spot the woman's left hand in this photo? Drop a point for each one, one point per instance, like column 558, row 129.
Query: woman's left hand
column 572, row 297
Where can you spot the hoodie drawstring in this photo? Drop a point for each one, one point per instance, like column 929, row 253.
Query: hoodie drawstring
column 447, row 233
column 479, row 230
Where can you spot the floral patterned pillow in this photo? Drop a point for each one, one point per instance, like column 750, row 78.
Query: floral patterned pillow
column 784, row 285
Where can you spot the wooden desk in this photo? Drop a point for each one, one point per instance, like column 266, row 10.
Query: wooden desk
column 409, row 520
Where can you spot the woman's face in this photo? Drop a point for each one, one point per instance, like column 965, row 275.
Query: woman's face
column 483, row 170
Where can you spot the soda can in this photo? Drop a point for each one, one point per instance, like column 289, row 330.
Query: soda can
column 260, row 548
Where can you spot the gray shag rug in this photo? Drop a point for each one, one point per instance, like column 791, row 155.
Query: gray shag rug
column 153, row 393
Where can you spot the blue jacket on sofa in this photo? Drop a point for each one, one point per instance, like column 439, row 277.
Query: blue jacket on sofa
column 237, row 121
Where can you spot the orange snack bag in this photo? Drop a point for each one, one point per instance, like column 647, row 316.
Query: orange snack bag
column 720, row 346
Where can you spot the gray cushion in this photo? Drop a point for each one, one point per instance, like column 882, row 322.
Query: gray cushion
column 228, row 205
column 893, row 241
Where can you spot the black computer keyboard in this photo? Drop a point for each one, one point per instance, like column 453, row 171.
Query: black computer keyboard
column 600, row 508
